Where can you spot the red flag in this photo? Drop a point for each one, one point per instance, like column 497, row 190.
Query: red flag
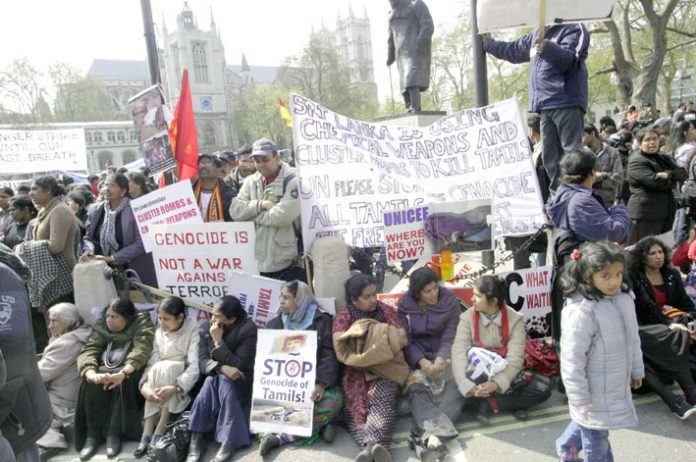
column 182, row 133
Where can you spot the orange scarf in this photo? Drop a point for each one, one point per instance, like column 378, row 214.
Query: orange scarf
column 214, row 212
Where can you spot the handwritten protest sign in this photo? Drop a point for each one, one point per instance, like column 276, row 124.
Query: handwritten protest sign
column 196, row 261
column 284, row 375
column 527, row 13
column 171, row 205
column 352, row 172
column 260, row 296
column 29, row 151
column 404, row 234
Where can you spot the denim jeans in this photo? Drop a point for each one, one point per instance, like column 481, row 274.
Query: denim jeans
column 594, row 444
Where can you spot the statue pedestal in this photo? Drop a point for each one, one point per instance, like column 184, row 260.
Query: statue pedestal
column 413, row 119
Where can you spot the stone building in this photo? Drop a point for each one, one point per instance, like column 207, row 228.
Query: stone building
column 354, row 41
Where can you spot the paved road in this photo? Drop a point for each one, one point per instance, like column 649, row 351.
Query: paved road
column 659, row 437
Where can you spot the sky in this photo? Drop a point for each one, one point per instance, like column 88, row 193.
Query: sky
column 266, row 31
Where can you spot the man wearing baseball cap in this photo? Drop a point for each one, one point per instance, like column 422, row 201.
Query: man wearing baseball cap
column 212, row 194
column 270, row 199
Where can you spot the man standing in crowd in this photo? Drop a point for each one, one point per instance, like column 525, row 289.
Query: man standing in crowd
column 6, row 194
column 228, row 163
column 245, row 167
column 609, row 168
column 558, row 86
column 212, row 194
column 270, row 198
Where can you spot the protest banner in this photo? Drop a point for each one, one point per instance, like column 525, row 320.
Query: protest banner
column 29, row 151
column 260, row 296
column 150, row 118
column 284, row 376
column 197, row 261
column 171, row 205
column 404, row 235
column 352, row 172
column 527, row 13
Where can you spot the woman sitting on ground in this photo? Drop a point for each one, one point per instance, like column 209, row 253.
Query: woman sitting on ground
column 430, row 315
column 300, row 311
column 58, row 368
column 664, row 311
column 171, row 372
column 371, row 384
column 111, row 364
column 498, row 333
column 227, row 351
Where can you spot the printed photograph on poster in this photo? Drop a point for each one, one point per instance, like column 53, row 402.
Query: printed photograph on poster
column 459, row 226
column 150, row 118
column 404, row 235
column 284, row 376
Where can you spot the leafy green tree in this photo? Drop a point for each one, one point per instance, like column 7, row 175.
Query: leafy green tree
column 21, row 93
column 79, row 99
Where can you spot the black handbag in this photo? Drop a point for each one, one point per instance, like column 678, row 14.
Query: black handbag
column 173, row 445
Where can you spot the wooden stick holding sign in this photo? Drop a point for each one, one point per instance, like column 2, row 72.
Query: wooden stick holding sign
column 542, row 19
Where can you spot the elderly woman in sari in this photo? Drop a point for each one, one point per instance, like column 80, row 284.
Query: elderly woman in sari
column 430, row 315
column 375, row 371
column 172, row 370
column 111, row 364
column 58, row 368
column 300, row 311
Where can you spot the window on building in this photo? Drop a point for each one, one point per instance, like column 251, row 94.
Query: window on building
column 361, row 47
column 209, row 134
column 121, row 136
column 128, row 157
column 200, row 62
column 133, row 135
column 111, row 137
column 97, row 137
column 88, row 137
column 104, row 159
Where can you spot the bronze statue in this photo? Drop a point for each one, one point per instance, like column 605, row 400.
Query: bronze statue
column 410, row 37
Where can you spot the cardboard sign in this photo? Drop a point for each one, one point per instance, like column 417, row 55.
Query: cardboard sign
column 260, row 296
column 29, row 151
column 353, row 172
column 150, row 118
column 197, row 261
column 527, row 13
column 404, row 235
column 284, row 376
column 171, row 205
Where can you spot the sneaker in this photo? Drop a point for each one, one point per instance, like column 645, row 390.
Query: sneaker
column 681, row 408
column 521, row 414
column 328, row 433
column 484, row 414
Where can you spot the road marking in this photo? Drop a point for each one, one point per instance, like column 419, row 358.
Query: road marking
column 470, row 429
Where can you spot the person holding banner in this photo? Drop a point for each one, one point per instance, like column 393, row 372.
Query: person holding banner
column 212, row 194
column 430, row 314
column 112, row 232
column 558, row 88
column 226, row 356
column 300, row 311
column 270, row 198
column 373, row 375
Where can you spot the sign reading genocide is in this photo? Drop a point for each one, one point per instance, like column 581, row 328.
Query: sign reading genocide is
column 352, row 172
column 171, row 205
column 29, row 151
column 284, row 375
column 197, row 261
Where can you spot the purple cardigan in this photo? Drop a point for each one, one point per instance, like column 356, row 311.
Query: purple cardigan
column 132, row 253
column 430, row 332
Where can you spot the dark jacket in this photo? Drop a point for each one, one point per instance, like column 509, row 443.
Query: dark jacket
column 558, row 77
column 25, row 409
column 587, row 216
column 647, row 310
column 131, row 252
column 140, row 332
column 227, row 193
column 652, row 198
column 430, row 332
column 328, row 367
column 238, row 348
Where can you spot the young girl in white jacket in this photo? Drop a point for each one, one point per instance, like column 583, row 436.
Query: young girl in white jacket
column 600, row 351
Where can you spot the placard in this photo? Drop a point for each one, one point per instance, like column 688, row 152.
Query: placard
column 197, row 261
column 150, row 117
column 260, row 296
column 404, row 235
column 171, row 205
column 30, row 151
column 284, row 376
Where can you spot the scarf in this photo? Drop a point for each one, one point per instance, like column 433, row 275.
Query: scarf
column 107, row 234
column 303, row 315
column 214, row 212
column 504, row 331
